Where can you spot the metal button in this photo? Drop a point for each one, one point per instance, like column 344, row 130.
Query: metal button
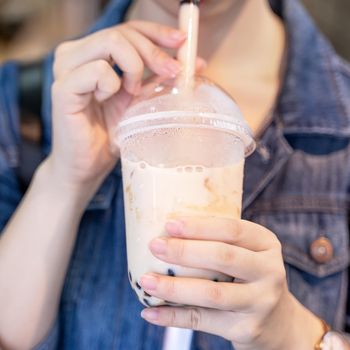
column 322, row 250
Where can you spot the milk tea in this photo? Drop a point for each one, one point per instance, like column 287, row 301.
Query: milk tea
column 153, row 195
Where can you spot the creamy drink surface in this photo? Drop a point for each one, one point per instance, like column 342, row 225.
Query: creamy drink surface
column 154, row 195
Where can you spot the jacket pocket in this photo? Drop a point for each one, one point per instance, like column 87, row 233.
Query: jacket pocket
column 318, row 281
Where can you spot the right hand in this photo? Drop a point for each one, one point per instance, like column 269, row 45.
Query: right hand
column 88, row 95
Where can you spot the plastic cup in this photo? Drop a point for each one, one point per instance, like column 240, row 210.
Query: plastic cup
column 182, row 155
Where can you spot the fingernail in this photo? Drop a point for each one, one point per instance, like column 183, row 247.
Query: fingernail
column 148, row 282
column 158, row 246
column 178, row 35
column 150, row 314
column 174, row 228
column 201, row 63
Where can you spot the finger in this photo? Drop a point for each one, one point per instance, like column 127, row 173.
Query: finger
column 73, row 91
column 201, row 64
column 108, row 43
column 241, row 233
column 198, row 319
column 156, row 59
column 199, row 292
column 113, row 109
column 105, row 45
column 222, row 257
column 160, row 34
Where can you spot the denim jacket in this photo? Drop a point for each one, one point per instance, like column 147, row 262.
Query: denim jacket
column 296, row 184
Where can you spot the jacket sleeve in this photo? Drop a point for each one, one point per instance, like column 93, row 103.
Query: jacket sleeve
column 10, row 192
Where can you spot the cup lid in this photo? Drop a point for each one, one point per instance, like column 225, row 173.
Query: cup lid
column 163, row 105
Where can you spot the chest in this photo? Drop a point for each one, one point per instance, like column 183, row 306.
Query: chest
column 298, row 195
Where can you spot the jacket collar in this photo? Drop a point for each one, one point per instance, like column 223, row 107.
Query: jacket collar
column 311, row 87
column 311, row 98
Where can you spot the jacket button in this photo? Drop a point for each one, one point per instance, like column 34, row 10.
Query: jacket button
column 322, row 250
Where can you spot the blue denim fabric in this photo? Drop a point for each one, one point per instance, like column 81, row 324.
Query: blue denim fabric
column 296, row 184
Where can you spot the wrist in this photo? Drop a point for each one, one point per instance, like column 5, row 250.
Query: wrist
column 47, row 180
column 306, row 328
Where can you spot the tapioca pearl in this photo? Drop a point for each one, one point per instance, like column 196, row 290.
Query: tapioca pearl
column 179, row 170
column 171, row 273
column 215, row 280
column 147, row 302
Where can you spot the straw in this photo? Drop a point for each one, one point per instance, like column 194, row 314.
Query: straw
column 187, row 54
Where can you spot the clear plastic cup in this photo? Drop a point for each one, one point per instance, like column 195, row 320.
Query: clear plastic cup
column 182, row 154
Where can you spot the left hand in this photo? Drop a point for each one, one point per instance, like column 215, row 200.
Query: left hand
column 257, row 311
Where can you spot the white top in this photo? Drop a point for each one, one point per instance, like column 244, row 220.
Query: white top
column 177, row 339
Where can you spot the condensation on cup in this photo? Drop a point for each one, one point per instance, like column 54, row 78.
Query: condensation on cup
column 182, row 154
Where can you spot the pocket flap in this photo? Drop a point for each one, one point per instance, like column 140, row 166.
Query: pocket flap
column 306, row 263
column 298, row 231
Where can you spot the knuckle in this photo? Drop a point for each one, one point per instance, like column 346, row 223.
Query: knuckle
column 62, row 48
column 170, row 287
column 102, row 67
column 138, row 68
column 277, row 245
column 115, row 83
column 274, row 242
column 255, row 332
column 274, row 268
column 214, row 295
column 156, row 54
column 56, row 88
column 280, row 277
column 235, row 228
column 134, row 23
column 172, row 317
column 59, row 54
column 195, row 319
column 111, row 38
column 56, row 65
column 56, row 68
column 114, row 37
column 179, row 251
column 225, row 255
column 162, row 30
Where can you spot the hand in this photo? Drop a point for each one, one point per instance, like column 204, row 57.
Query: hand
column 89, row 97
column 256, row 311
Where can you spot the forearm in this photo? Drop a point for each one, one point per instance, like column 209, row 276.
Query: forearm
column 35, row 249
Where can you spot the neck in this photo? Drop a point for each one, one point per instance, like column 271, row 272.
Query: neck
column 243, row 42
column 252, row 44
column 244, row 35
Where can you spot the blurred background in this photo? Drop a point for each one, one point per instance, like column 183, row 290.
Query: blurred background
column 30, row 28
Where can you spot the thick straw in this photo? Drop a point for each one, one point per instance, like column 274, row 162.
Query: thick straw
column 187, row 54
